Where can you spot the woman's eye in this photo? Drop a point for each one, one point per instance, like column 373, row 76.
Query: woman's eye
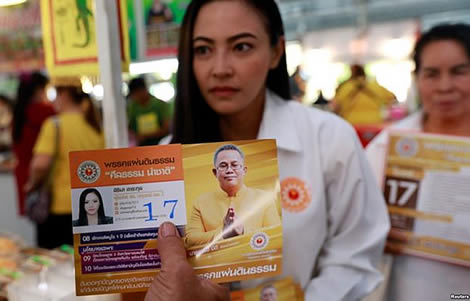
column 201, row 50
column 243, row 47
column 430, row 74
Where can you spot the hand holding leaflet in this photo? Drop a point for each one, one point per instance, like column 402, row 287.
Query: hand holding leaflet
column 144, row 188
column 177, row 280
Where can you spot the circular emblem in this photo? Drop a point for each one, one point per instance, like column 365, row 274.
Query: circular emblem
column 406, row 147
column 259, row 241
column 88, row 172
column 295, row 195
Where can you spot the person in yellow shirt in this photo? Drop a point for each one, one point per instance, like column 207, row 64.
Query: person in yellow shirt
column 361, row 101
column 79, row 129
column 233, row 210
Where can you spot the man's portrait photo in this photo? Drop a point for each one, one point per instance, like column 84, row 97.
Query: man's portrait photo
column 233, row 208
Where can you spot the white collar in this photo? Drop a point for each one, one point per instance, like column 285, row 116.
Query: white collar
column 279, row 123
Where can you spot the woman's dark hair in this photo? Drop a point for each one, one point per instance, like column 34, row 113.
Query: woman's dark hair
column 79, row 97
column 194, row 120
column 82, row 215
column 27, row 88
column 459, row 33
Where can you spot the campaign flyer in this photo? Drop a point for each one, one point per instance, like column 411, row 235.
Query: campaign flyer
column 427, row 191
column 281, row 290
column 232, row 193
column 223, row 197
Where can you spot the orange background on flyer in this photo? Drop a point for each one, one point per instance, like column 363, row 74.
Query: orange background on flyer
column 127, row 154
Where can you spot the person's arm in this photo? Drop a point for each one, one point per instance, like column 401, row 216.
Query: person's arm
column 176, row 280
column 195, row 232
column 42, row 156
column 166, row 116
column 39, row 168
column 357, row 221
column 164, row 130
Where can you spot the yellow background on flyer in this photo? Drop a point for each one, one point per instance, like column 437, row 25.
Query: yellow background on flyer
column 260, row 159
column 237, row 249
column 69, row 37
column 262, row 173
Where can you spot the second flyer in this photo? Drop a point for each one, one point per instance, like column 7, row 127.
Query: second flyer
column 428, row 196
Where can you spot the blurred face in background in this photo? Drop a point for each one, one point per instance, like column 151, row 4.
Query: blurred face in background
column 141, row 96
column 232, row 56
column 63, row 97
column 40, row 94
column 444, row 80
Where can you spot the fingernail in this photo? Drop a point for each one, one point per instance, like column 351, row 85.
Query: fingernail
column 167, row 230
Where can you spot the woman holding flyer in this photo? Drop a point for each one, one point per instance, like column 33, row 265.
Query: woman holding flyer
column 442, row 59
column 233, row 85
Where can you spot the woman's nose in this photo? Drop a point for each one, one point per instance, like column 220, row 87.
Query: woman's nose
column 222, row 65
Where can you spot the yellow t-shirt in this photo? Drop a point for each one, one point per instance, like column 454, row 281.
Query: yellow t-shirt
column 362, row 101
column 74, row 134
column 256, row 208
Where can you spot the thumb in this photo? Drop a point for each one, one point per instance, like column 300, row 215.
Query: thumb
column 170, row 245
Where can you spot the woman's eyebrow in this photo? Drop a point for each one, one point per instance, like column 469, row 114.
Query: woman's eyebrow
column 230, row 39
column 242, row 35
column 203, row 39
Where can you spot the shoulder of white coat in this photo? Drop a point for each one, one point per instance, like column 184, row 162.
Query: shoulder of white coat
column 316, row 118
column 328, row 130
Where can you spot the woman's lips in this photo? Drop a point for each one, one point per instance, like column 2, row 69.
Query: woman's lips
column 446, row 105
column 224, row 92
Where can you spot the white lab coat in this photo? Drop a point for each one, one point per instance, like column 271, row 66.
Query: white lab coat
column 414, row 278
column 332, row 248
